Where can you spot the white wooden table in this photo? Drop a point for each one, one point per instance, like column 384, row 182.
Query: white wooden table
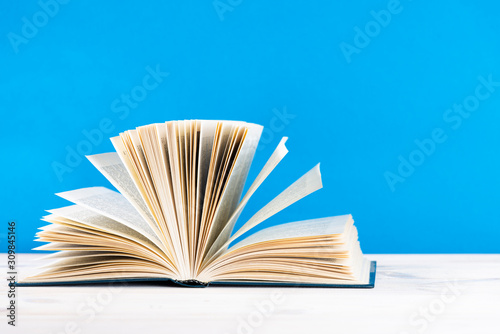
column 413, row 294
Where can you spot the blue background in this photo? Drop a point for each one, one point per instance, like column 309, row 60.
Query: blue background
column 251, row 61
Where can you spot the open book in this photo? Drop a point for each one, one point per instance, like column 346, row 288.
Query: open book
column 180, row 189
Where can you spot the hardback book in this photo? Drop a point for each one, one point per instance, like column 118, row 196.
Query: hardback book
column 180, row 195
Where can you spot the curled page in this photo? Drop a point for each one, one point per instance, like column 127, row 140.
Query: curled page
column 113, row 169
column 278, row 154
column 307, row 184
column 234, row 187
column 95, row 220
column 328, row 226
column 112, row 205
column 134, row 173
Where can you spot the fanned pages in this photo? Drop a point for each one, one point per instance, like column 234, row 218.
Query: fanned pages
column 180, row 194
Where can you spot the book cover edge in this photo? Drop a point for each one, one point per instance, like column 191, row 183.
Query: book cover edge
column 198, row 284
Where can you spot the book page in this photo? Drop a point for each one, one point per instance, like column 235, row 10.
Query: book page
column 307, row 184
column 90, row 218
column 175, row 150
column 215, row 155
column 207, row 135
column 230, row 153
column 336, row 225
column 234, row 186
column 152, row 141
column 112, row 205
column 278, row 154
column 166, row 180
column 88, row 228
column 134, row 172
column 316, row 250
column 129, row 148
column 111, row 166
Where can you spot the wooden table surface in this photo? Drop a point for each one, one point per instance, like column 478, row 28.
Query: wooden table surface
column 413, row 294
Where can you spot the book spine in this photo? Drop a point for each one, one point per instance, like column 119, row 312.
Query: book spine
column 191, row 283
